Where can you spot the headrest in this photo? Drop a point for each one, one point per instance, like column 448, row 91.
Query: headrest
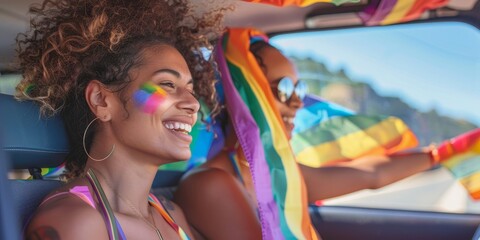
column 29, row 140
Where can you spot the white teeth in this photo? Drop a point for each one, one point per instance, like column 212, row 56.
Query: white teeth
column 288, row 119
column 178, row 126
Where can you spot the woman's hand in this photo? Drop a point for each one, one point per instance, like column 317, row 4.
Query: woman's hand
column 469, row 141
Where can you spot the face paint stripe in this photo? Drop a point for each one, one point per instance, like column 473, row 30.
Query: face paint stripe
column 149, row 88
column 141, row 97
column 149, row 97
column 152, row 103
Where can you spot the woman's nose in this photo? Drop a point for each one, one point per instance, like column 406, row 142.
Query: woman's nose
column 188, row 101
column 295, row 102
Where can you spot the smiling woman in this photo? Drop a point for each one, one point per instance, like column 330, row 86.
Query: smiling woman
column 126, row 92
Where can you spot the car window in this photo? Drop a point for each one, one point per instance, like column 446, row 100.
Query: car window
column 427, row 74
column 8, row 83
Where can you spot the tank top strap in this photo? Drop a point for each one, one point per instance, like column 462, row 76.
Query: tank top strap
column 80, row 191
column 154, row 202
column 84, row 194
column 115, row 231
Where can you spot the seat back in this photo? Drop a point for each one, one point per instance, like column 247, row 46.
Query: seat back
column 8, row 219
column 30, row 142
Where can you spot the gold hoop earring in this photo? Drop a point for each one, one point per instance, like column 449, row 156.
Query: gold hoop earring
column 85, row 149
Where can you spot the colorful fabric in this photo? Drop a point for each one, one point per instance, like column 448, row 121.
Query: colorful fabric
column 301, row 3
column 461, row 155
column 114, row 229
column 279, row 185
column 328, row 134
column 385, row 12
column 53, row 173
column 315, row 110
column 114, row 232
column 159, row 207
column 84, row 193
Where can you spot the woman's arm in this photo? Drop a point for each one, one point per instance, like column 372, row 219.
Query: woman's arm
column 377, row 171
column 70, row 219
column 369, row 172
column 217, row 206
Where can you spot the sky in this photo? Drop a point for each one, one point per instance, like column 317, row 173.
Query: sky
column 428, row 65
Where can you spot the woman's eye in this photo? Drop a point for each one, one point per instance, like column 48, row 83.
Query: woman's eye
column 168, row 84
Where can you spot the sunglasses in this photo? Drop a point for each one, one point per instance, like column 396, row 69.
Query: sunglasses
column 286, row 88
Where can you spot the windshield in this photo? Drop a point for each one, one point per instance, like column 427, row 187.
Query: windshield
column 427, row 74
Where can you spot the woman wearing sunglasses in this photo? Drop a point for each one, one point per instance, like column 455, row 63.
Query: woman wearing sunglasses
column 221, row 198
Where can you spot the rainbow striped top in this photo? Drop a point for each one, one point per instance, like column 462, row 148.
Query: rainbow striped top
column 114, row 229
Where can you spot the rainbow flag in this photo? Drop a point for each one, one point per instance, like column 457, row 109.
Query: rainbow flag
column 301, row 3
column 326, row 133
column 462, row 158
column 53, row 173
column 279, row 185
column 385, row 12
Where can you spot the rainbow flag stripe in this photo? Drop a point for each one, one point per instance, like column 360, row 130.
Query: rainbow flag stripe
column 53, row 173
column 301, row 3
column 387, row 12
column 464, row 162
column 279, row 185
column 324, row 133
column 377, row 12
column 159, row 207
column 331, row 140
column 149, row 97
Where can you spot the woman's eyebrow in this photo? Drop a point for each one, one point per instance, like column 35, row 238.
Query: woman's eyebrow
column 172, row 72
column 167, row 70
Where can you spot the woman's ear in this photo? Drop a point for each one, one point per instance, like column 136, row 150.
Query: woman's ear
column 99, row 99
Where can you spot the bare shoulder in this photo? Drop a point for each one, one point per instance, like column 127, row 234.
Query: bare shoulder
column 208, row 181
column 211, row 190
column 212, row 197
column 211, row 177
column 66, row 217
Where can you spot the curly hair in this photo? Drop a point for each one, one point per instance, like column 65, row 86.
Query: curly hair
column 72, row 42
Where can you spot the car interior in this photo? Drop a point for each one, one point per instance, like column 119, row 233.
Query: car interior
column 31, row 142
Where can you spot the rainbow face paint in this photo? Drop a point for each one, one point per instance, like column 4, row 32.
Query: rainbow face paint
column 149, row 97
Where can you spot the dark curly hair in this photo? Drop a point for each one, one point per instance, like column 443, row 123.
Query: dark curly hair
column 72, row 42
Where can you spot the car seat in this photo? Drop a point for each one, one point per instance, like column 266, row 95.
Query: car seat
column 8, row 219
column 30, row 142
